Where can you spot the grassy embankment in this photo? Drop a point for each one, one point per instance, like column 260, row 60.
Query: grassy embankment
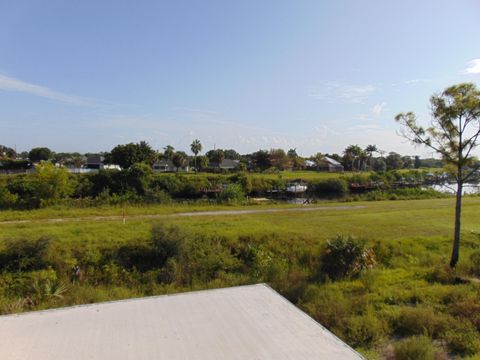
column 408, row 293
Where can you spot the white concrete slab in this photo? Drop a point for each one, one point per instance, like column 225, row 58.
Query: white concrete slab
column 244, row 323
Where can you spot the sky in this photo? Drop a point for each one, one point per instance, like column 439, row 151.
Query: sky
column 312, row 75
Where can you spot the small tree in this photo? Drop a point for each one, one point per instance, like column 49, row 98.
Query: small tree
column 454, row 134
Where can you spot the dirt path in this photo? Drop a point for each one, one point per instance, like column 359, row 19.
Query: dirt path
column 185, row 214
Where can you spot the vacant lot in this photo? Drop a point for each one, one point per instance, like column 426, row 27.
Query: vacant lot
column 408, row 292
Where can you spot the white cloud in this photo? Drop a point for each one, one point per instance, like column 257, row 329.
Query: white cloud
column 379, row 108
column 473, row 67
column 11, row 84
column 343, row 92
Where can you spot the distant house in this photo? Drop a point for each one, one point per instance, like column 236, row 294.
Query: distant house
column 168, row 166
column 226, row 164
column 326, row 164
column 96, row 162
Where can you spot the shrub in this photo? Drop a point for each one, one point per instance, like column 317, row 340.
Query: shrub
column 205, row 259
column 140, row 257
column 346, row 256
column 7, row 199
column 467, row 309
column 462, row 338
column 167, row 242
column 475, row 263
column 329, row 306
column 442, row 274
column 365, row 330
column 414, row 348
column 328, row 186
column 25, row 254
column 419, row 321
column 232, row 193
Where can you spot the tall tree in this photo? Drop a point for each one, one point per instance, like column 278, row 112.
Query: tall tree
column 279, row 159
column 168, row 152
column 261, row 159
column 129, row 154
column 196, row 148
column 7, row 152
column 453, row 133
column 369, row 150
column 351, row 155
column 394, row 161
column 216, row 157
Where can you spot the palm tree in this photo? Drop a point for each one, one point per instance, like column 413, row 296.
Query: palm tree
column 196, row 147
column 370, row 149
column 351, row 154
column 168, row 152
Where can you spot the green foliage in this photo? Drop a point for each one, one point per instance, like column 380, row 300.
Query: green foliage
column 232, row 193
column 397, row 298
column 365, row 330
column 7, row 199
column 420, row 321
column 346, row 256
column 51, row 183
column 40, row 154
column 475, row 262
column 167, row 241
column 415, row 348
column 328, row 186
column 462, row 338
column 130, row 154
column 24, row 254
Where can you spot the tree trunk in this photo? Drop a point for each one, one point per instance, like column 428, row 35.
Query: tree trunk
column 456, row 236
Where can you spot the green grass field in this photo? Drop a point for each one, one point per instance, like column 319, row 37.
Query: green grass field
column 412, row 240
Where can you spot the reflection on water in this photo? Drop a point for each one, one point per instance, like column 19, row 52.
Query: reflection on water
column 468, row 189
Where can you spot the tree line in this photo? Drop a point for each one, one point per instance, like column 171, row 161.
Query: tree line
column 353, row 158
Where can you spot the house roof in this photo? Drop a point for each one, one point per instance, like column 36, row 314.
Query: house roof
column 95, row 159
column 332, row 161
column 240, row 323
column 226, row 163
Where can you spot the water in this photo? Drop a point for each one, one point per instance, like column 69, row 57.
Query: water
column 468, row 189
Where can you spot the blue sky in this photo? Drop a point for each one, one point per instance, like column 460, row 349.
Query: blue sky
column 307, row 74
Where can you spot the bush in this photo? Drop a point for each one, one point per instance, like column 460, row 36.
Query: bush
column 328, row 186
column 475, row 263
column 420, row 321
column 7, row 199
column 442, row 274
column 415, row 348
column 232, row 193
column 167, row 242
column 467, row 309
column 366, row 330
column 329, row 306
column 25, row 254
column 346, row 256
column 462, row 338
